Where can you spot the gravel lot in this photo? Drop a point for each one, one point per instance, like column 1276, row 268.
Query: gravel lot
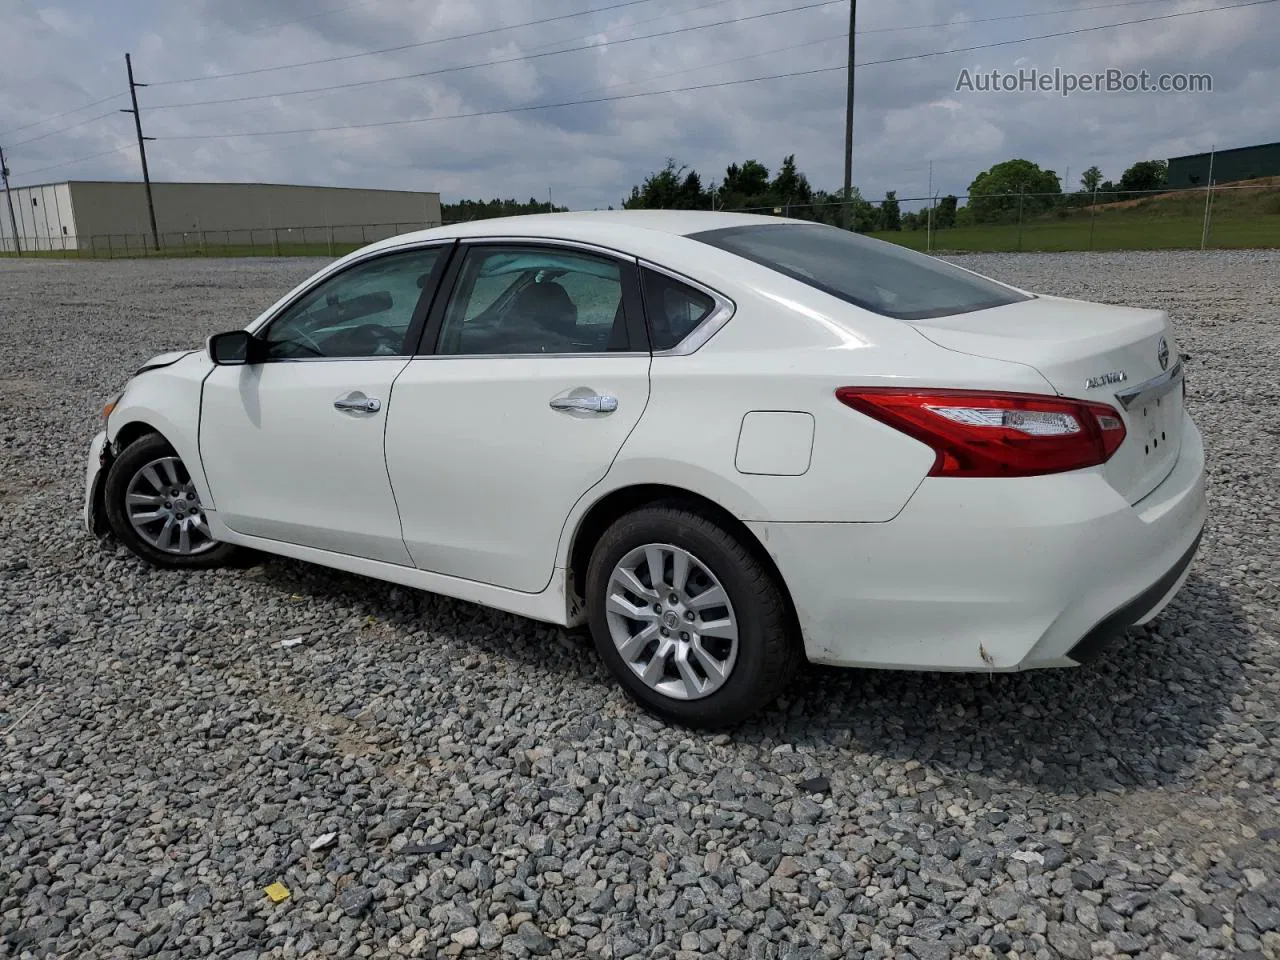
column 163, row 759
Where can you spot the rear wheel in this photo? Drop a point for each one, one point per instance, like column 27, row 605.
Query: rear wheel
column 693, row 625
column 154, row 508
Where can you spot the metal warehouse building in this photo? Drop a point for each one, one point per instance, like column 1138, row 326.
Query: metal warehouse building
column 1239, row 163
column 103, row 216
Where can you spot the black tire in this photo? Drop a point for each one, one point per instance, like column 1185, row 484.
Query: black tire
column 768, row 642
column 131, row 460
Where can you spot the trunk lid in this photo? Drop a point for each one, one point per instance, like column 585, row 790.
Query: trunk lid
column 1090, row 351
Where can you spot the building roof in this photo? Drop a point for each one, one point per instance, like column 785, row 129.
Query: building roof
column 221, row 183
column 1256, row 146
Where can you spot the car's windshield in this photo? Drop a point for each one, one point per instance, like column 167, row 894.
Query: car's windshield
column 878, row 276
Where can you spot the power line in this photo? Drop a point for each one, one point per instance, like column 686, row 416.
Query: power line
column 725, row 63
column 1065, row 33
column 269, row 26
column 615, row 6
column 92, row 156
column 352, row 84
column 403, row 46
column 54, row 133
column 634, row 23
column 714, row 3
column 843, row 37
column 1011, row 16
column 704, row 86
column 59, row 116
column 507, row 110
column 309, row 16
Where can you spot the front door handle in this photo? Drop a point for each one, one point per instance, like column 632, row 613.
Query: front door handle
column 358, row 404
column 592, row 404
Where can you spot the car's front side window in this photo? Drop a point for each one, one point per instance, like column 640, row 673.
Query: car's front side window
column 521, row 300
column 364, row 311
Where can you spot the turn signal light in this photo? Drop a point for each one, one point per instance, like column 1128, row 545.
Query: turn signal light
column 978, row 433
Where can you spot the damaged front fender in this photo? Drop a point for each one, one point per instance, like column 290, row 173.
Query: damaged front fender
column 99, row 461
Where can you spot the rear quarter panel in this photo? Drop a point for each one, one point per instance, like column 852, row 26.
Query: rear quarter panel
column 788, row 347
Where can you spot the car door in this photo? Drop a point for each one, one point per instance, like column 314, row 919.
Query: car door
column 535, row 370
column 292, row 445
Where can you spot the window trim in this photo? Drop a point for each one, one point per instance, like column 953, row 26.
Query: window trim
column 708, row 327
column 632, row 300
column 420, row 311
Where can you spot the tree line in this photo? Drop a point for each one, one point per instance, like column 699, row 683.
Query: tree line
column 486, row 209
column 1004, row 193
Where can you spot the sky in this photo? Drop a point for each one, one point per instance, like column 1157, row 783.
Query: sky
column 463, row 125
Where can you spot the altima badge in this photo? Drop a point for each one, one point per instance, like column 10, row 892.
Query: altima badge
column 1115, row 376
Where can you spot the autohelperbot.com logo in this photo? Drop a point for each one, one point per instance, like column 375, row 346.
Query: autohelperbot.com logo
column 1066, row 82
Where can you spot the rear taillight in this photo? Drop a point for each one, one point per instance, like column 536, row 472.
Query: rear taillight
column 979, row 433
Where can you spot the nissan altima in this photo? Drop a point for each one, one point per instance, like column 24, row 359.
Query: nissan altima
column 724, row 443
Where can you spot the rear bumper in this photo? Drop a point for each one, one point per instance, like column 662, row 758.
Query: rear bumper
column 1140, row 609
column 993, row 575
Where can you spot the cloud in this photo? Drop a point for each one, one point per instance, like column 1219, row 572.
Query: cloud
column 908, row 113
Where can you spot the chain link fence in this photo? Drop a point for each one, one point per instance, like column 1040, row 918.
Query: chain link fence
column 316, row 241
column 1224, row 216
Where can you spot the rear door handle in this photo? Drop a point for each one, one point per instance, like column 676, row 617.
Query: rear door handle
column 359, row 404
column 592, row 404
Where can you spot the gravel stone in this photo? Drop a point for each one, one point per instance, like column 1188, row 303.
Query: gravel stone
column 1128, row 903
column 466, row 938
column 533, row 940
column 491, row 792
column 355, row 900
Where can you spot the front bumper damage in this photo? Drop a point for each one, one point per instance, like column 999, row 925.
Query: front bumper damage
column 98, row 462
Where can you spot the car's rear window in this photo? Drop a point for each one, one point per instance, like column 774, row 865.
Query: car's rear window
column 873, row 274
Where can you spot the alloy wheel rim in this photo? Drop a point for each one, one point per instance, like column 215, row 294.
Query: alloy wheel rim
column 164, row 509
column 671, row 621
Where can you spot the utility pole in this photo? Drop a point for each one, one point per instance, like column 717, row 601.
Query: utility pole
column 848, row 124
column 13, row 220
column 1208, row 198
column 929, row 240
column 142, row 148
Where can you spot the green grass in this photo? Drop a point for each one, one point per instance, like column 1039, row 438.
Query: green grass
column 1239, row 219
column 1110, row 232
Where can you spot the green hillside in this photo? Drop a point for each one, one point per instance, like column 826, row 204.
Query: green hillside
column 1242, row 215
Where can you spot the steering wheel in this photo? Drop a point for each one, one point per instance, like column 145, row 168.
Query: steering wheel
column 375, row 335
column 310, row 343
column 297, row 339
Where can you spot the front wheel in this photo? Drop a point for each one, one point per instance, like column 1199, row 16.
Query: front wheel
column 694, row 626
column 153, row 507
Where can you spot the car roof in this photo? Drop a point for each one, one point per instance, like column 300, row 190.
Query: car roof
column 620, row 228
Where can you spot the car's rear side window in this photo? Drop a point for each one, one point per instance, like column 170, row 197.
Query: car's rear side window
column 674, row 309
column 878, row 276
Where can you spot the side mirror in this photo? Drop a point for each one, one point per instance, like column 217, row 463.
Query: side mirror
column 232, row 349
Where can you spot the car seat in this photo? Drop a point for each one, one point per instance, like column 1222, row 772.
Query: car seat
column 548, row 306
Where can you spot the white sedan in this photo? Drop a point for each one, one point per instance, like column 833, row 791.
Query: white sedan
column 724, row 442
